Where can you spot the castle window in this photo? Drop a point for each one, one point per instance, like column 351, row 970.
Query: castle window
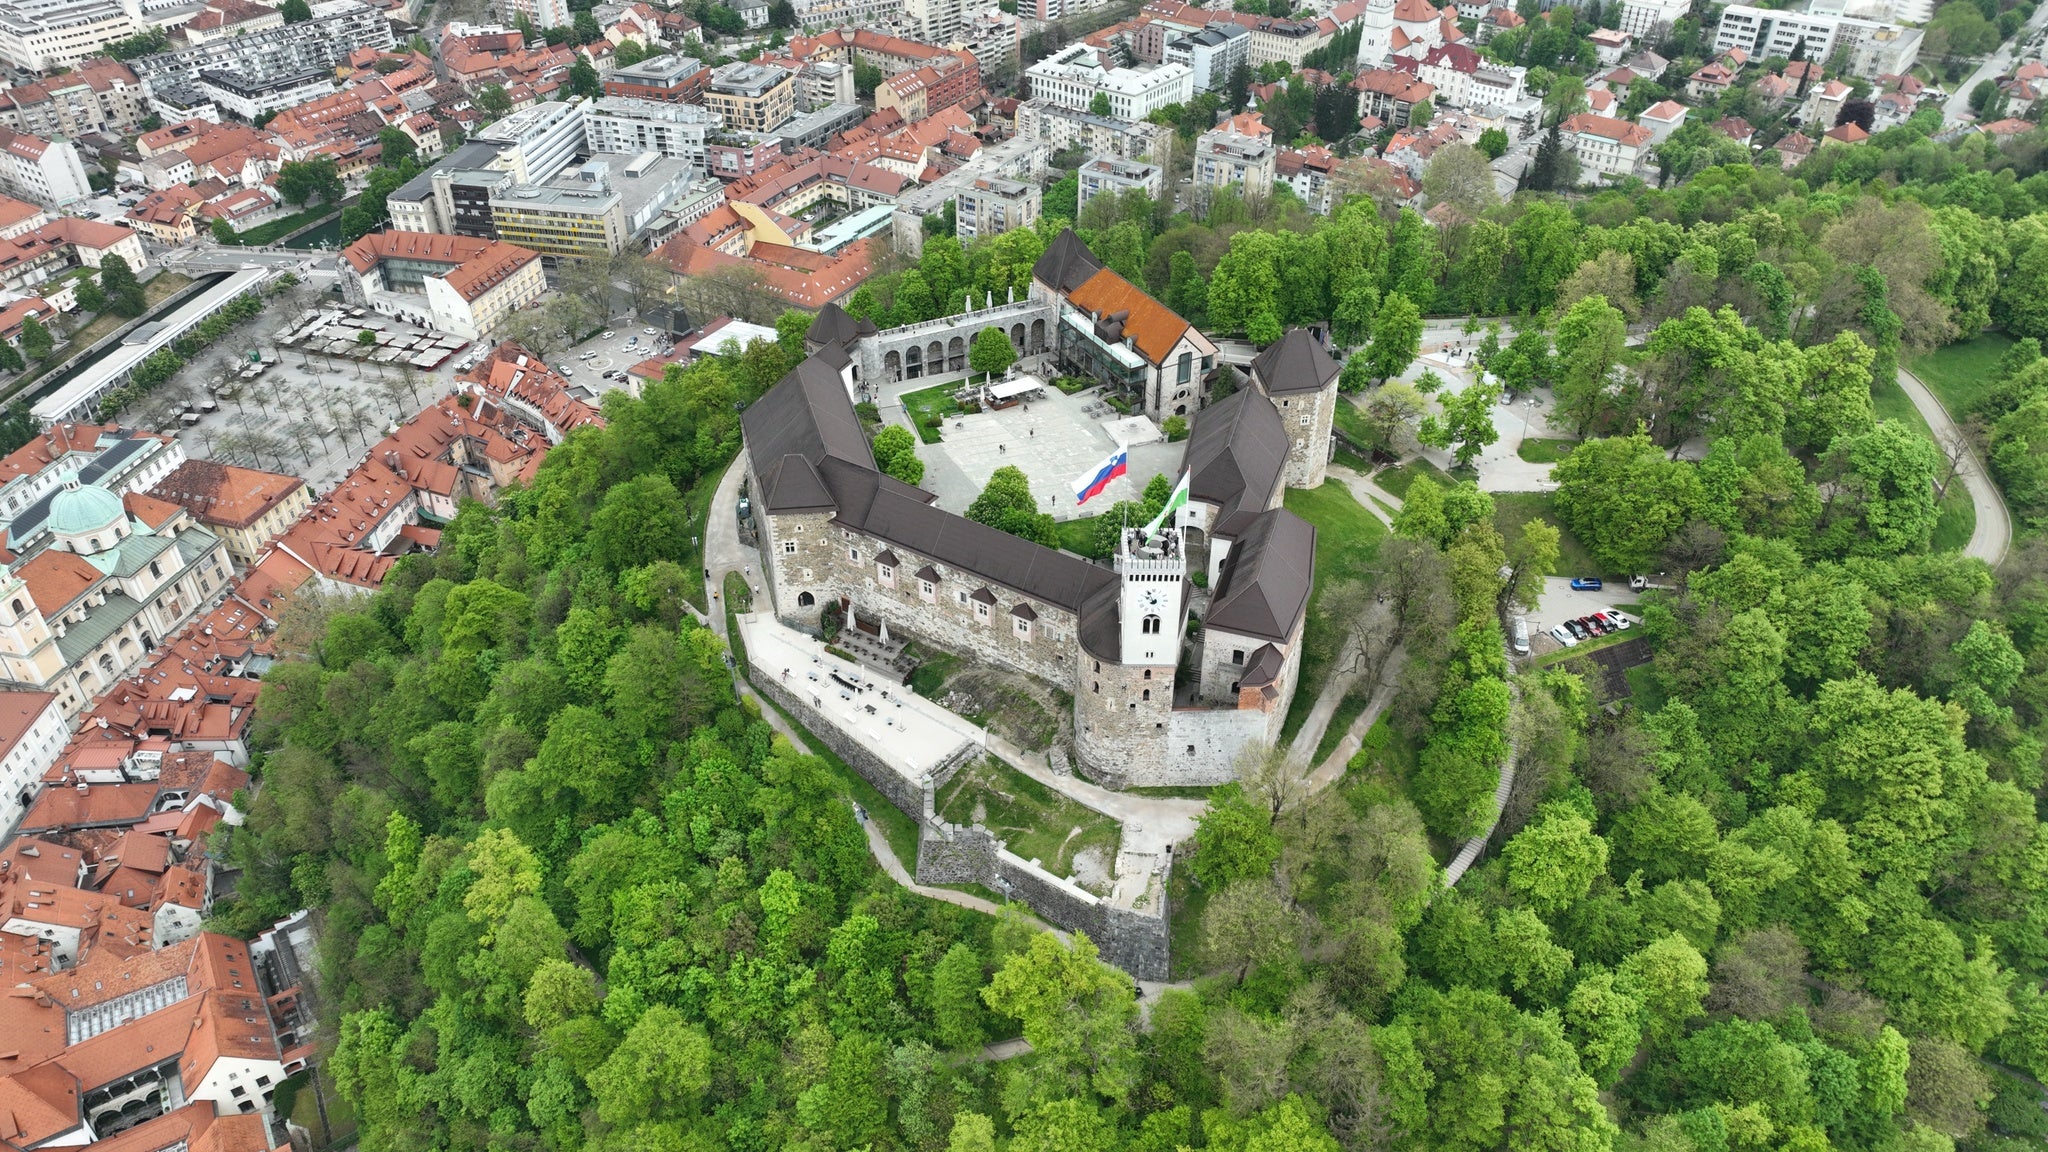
column 155, row 569
column 1187, row 366
column 1191, row 749
column 1150, row 626
column 887, row 574
column 981, row 612
column 17, row 609
column 1021, row 627
column 1148, row 694
column 1148, row 673
column 1233, row 687
column 805, row 599
column 789, row 547
column 924, row 588
column 1098, row 663
column 1098, row 687
column 1305, row 419
column 853, row 554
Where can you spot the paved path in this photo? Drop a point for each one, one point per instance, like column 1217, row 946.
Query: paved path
column 1469, row 854
column 1151, row 823
column 1957, row 107
column 1994, row 524
column 1367, row 493
column 1333, row 766
column 723, row 551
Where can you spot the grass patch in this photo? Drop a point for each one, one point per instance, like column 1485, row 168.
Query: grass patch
column 1643, row 688
column 1958, row 520
column 160, row 288
column 1073, row 384
column 278, row 229
column 697, row 502
column 1350, row 708
column 1347, row 545
column 1398, row 478
column 1543, row 450
column 933, row 670
column 1185, row 904
column 1889, row 402
column 1036, row 822
column 1352, row 460
column 1351, row 421
column 1585, row 647
column 295, row 1101
column 1962, row 374
column 1173, row 792
column 1511, row 510
column 928, row 409
column 1077, row 536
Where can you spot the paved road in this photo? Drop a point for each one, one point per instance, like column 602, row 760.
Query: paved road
column 1957, row 107
column 1994, row 524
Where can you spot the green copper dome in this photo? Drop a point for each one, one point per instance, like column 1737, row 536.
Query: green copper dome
column 81, row 509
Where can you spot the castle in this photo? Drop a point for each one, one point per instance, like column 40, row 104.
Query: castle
column 1156, row 701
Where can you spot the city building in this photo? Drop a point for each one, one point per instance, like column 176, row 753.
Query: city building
column 168, row 216
column 1611, row 147
column 936, row 21
column 455, row 284
column 46, row 172
column 1307, row 171
column 916, row 93
column 1651, row 19
column 1662, row 119
column 751, row 97
column 667, row 79
column 539, row 13
column 100, row 95
column 245, row 507
column 533, row 144
column 1072, row 78
column 1236, row 153
column 1610, row 44
column 266, row 67
column 561, row 221
column 1868, row 48
column 633, row 125
column 1390, row 94
column 1461, row 78
column 32, row 734
column 39, row 35
column 990, row 207
column 1115, row 176
column 1059, row 127
column 1212, row 54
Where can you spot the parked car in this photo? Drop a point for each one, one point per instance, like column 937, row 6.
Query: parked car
column 1638, row 582
column 1620, row 620
column 1521, row 636
column 647, row 331
column 1586, row 584
column 585, row 355
column 1600, row 624
column 606, row 336
column 564, row 370
column 1562, row 636
column 1577, row 629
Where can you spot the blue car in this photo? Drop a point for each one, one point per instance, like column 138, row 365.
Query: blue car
column 1585, row 583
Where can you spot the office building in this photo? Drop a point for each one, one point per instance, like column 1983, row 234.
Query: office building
column 1651, row 18
column 1869, row 48
column 543, row 139
column 1074, row 76
column 667, row 79
column 752, row 97
column 1212, row 54
column 557, row 221
column 46, row 172
column 1236, row 153
column 454, row 284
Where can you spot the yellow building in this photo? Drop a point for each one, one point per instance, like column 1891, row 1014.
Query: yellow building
column 561, row 221
column 752, row 97
column 246, row 507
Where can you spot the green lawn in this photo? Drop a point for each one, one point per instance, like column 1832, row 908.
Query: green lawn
column 1889, row 402
column 1961, row 375
column 1398, row 478
column 1643, row 688
column 1958, row 520
column 280, row 228
column 697, row 501
column 1347, row 545
column 1539, row 450
column 1351, row 421
column 1348, row 710
column 1511, row 510
column 1037, row 822
column 929, row 405
column 160, row 288
column 1077, row 536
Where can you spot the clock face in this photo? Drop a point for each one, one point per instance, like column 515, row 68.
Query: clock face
column 1152, row 598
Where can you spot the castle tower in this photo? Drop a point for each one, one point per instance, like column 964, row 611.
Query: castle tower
column 1153, row 576
column 1122, row 707
column 1300, row 378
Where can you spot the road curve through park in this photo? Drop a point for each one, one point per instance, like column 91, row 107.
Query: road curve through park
column 1994, row 523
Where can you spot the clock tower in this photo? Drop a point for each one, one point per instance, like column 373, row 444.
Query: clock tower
column 1154, row 574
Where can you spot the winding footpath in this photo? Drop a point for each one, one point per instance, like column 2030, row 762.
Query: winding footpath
column 1993, row 535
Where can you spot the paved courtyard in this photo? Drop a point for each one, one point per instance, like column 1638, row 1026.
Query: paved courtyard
column 1054, row 440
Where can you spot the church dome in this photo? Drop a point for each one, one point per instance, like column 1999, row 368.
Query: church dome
column 81, row 509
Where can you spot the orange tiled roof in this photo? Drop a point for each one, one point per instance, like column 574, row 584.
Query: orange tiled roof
column 1153, row 328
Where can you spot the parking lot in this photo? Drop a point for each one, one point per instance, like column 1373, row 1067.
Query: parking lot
column 1560, row 603
column 613, row 351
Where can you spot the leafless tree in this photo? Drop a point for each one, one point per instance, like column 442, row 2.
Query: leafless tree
column 1956, row 445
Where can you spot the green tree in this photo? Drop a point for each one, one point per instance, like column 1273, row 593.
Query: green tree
column 1554, row 861
column 123, row 292
column 1466, row 426
column 221, row 231
column 956, row 998
column 1625, row 499
column 895, row 452
column 1098, row 105
column 991, row 353
column 1494, row 143
column 1007, row 505
column 36, row 341
column 492, row 100
column 300, row 181
column 295, row 11
column 1234, row 839
column 659, row 1072
column 583, row 78
column 398, row 148
column 1396, row 336
column 1078, row 1014
column 1590, row 337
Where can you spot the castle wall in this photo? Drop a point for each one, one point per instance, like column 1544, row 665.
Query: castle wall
column 902, row 791
column 1205, row 744
column 1119, row 735
column 885, row 358
column 1307, row 417
column 822, row 563
column 1224, row 655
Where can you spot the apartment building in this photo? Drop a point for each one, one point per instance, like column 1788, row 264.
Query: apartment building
column 991, row 206
column 32, row 734
column 752, row 97
column 38, row 35
column 246, row 507
column 1074, row 76
column 1109, row 174
column 1236, row 153
column 1870, row 48
column 1611, row 147
column 936, row 21
column 275, row 56
column 1651, row 18
column 46, row 172
column 534, row 144
column 666, row 79
column 629, row 124
column 561, row 221
column 101, row 94
column 1212, row 54
column 539, row 13
column 1059, row 127
column 918, row 92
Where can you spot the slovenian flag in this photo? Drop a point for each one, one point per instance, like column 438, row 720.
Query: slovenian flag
column 1174, row 503
column 1093, row 481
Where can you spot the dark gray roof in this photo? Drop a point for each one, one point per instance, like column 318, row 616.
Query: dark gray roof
column 983, row 595
column 886, row 558
column 1263, row 590
column 1294, row 363
column 1067, row 263
column 795, row 427
column 1263, row 668
column 1236, row 457
column 1022, row 610
column 833, row 326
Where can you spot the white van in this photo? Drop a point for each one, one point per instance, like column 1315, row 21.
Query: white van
column 1521, row 636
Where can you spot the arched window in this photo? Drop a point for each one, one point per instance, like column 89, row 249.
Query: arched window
column 1150, row 626
column 805, row 599
column 1148, row 694
column 95, row 543
column 1148, row 673
column 17, row 605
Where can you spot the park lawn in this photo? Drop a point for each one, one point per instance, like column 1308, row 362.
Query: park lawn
column 1958, row 520
column 1037, row 822
column 1347, row 545
column 1511, row 510
column 697, row 502
column 1351, row 421
column 1399, row 477
column 1077, row 536
column 928, row 404
column 1962, row 374
column 1888, row 401
column 1542, row 450
column 278, row 229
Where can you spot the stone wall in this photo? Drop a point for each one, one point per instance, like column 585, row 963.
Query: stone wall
column 1133, row 940
column 902, row 791
column 884, row 358
column 1308, row 445
column 1119, row 735
column 1218, row 737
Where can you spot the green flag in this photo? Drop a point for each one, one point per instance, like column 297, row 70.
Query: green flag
column 1174, row 503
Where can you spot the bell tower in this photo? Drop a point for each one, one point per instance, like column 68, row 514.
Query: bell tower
column 1377, row 38
column 1154, row 572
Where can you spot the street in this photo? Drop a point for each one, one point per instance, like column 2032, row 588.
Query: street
column 1957, row 107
